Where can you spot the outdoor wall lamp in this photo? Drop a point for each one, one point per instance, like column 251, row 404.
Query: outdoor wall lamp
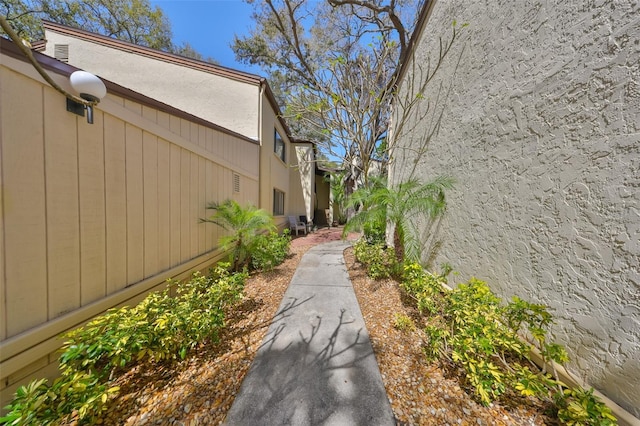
column 90, row 88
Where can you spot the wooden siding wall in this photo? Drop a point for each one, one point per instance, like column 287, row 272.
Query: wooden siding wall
column 90, row 212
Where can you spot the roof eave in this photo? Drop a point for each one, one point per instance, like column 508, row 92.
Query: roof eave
column 8, row 47
column 153, row 53
column 423, row 18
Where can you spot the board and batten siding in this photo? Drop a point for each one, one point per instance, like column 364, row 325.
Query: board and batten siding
column 95, row 216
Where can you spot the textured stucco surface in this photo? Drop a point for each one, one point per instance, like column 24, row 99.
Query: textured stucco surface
column 541, row 129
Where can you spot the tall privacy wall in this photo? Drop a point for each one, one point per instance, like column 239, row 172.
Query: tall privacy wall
column 536, row 113
column 95, row 216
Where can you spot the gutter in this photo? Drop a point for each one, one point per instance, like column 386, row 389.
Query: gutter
column 261, row 90
column 423, row 18
column 9, row 48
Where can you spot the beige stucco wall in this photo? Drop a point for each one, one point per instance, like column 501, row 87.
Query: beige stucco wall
column 229, row 103
column 302, row 180
column 540, row 126
column 324, row 202
column 95, row 216
column 274, row 173
column 323, row 189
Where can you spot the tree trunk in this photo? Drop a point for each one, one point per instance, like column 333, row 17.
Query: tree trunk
column 398, row 244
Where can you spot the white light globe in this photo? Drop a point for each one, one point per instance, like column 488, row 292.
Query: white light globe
column 88, row 84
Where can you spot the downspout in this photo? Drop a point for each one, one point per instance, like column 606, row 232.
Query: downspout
column 261, row 143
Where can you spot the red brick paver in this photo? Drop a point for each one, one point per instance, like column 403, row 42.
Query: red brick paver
column 322, row 235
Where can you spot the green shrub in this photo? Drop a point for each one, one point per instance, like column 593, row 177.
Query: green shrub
column 380, row 260
column 378, row 204
column 426, row 289
column 473, row 328
column 160, row 327
column 580, row 407
column 435, row 338
column 270, row 250
column 403, row 323
column 78, row 396
column 244, row 224
column 375, row 231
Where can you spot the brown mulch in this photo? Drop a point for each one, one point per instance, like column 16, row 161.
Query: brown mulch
column 421, row 393
column 201, row 389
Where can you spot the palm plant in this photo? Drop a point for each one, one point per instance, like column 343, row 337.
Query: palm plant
column 381, row 205
column 244, row 225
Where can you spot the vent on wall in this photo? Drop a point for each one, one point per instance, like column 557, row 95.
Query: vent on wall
column 236, row 182
column 61, row 52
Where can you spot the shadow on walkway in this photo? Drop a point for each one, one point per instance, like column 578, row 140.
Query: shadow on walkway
column 316, row 365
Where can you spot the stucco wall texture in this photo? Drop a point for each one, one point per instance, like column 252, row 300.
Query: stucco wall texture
column 541, row 129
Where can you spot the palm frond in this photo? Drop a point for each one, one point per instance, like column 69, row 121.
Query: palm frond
column 398, row 205
column 243, row 225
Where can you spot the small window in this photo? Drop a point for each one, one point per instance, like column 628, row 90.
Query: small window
column 236, row 182
column 278, row 202
column 61, row 52
column 278, row 145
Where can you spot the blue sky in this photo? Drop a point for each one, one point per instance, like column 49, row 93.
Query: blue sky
column 209, row 27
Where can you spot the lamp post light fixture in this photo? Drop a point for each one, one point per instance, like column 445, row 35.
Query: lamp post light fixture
column 90, row 88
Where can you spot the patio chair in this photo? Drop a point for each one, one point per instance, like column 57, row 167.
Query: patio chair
column 307, row 222
column 296, row 225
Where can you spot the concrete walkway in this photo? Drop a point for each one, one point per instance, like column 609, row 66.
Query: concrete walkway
column 316, row 364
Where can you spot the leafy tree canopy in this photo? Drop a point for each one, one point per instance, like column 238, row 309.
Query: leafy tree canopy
column 333, row 66
column 135, row 21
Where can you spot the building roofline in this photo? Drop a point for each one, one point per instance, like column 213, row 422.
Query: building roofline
column 126, row 46
column 423, row 18
column 276, row 108
column 325, row 169
column 172, row 58
column 8, row 47
column 299, row 141
column 38, row 45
